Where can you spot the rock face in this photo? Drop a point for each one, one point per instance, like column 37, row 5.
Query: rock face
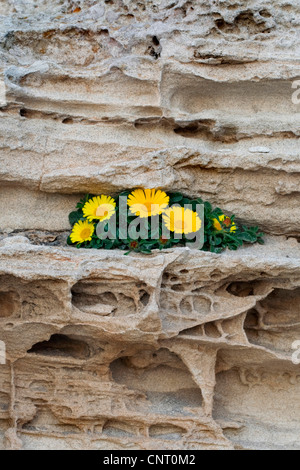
column 180, row 349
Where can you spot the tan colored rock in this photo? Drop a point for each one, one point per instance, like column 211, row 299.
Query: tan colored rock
column 96, row 96
column 180, row 349
column 150, row 352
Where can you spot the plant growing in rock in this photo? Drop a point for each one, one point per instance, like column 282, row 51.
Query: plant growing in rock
column 164, row 220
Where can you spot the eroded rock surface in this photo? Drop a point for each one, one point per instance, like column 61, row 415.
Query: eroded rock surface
column 179, row 349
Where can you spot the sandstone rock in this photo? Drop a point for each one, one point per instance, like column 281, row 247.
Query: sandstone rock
column 16, row 240
column 164, row 351
column 180, row 349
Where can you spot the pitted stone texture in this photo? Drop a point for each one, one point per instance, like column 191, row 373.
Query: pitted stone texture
column 173, row 350
column 179, row 349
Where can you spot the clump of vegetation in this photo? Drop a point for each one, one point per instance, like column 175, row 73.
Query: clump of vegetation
column 174, row 213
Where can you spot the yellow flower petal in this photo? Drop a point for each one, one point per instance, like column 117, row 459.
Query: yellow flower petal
column 180, row 220
column 227, row 222
column 82, row 232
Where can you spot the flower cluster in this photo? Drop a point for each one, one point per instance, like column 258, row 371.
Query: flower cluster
column 177, row 222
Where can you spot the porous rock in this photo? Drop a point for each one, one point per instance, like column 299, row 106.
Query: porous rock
column 179, row 349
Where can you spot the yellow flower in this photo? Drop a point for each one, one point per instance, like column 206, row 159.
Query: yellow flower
column 82, row 232
column 145, row 203
column 226, row 221
column 180, row 220
column 100, row 208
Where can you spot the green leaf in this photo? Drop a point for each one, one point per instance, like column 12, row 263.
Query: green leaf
column 218, row 241
column 207, row 206
column 69, row 242
column 108, row 244
column 75, row 216
column 233, row 247
column 186, row 200
column 176, row 197
column 125, row 193
column 248, row 237
column 216, row 249
column 147, row 245
column 145, row 250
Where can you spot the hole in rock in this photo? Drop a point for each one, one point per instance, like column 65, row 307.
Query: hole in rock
column 67, row 121
column 184, row 271
column 201, row 128
column 4, row 401
column 241, row 289
column 155, row 41
column 265, row 14
column 118, row 429
column 165, row 431
column 252, row 319
column 277, row 325
column 8, row 304
column 193, row 96
column 126, row 303
column 85, row 298
column 178, row 288
column 194, row 331
column 45, row 420
column 282, row 306
column 216, row 275
column 211, row 330
column 220, row 23
column 165, row 381
column 201, row 304
column 108, row 297
column 245, row 21
column 256, row 401
column 165, row 278
column 125, row 298
column 144, row 298
column 186, row 307
column 154, row 49
column 61, row 345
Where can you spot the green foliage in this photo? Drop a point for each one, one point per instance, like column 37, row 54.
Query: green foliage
column 229, row 235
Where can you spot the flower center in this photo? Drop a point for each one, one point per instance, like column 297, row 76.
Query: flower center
column 86, row 233
column 101, row 212
column 227, row 221
column 133, row 244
